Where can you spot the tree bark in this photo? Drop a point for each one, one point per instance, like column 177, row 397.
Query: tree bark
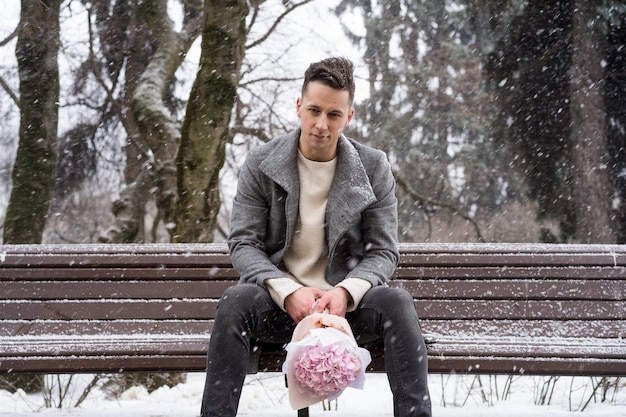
column 153, row 119
column 205, row 131
column 35, row 167
column 590, row 180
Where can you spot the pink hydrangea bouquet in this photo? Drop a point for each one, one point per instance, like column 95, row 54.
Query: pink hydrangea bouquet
column 323, row 359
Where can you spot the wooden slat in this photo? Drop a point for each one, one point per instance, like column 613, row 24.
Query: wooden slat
column 532, row 309
column 120, row 345
column 205, row 308
column 197, row 363
column 438, row 362
column 84, row 290
column 109, row 309
column 514, row 259
column 98, row 346
column 566, row 347
column 528, row 366
column 117, row 261
column 164, row 362
column 465, row 329
column 538, row 271
column 65, row 328
column 525, row 289
column 123, row 273
column 428, row 289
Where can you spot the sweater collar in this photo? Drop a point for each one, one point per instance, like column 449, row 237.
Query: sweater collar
column 351, row 183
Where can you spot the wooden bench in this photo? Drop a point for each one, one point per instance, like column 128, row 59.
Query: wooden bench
column 492, row 308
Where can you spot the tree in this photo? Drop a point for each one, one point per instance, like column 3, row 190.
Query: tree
column 426, row 108
column 544, row 64
column 615, row 99
column 591, row 188
column 181, row 162
column 205, row 131
column 152, row 130
column 34, row 171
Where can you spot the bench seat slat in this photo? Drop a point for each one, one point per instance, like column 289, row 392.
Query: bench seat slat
column 529, row 365
column 609, row 329
column 164, row 362
column 205, row 308
column 125, row 345
column 426, row 288
column 516, row 309
column 535, row 347
column 109, row 309
column 465, row 329
column 528, row 289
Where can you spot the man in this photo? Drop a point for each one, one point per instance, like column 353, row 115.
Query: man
column 313, row 229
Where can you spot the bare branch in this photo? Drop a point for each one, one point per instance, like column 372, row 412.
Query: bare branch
column 276, row 22
column 425, row 202
column 10, row 92
column 258, row 133
column 266, row 79
column 9, row 38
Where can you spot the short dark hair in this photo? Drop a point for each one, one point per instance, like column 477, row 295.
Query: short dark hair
column 335, row 72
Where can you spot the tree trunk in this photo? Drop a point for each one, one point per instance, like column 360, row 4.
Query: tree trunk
column 154, row 119
column 590, row 179
column 150, row 126
column 35, row 167
column 205, row 130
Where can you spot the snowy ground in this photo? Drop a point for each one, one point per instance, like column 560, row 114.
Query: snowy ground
column 265, row 396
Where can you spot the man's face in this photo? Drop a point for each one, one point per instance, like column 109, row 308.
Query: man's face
column 324, row 112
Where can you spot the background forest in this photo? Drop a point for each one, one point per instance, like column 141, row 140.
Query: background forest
column 127, row 120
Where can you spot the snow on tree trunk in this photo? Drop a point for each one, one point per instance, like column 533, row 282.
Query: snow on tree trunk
column 205, row 130
column 154, row 120
column 35, row 167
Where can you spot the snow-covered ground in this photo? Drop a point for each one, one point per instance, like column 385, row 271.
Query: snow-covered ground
column 266, row 396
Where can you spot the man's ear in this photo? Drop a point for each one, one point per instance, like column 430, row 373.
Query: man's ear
column 350, row 116
column 298, row 106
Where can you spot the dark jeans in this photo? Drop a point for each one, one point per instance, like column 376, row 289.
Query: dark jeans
column 247, row 311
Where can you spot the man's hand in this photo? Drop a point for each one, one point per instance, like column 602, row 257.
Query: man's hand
column 335, row 301
column 299, row 304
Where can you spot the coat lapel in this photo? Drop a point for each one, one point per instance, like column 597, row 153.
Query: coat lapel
column 350, row 193
column 281, row 166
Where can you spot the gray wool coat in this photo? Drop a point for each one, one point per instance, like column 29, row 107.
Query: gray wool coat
column 361, row 214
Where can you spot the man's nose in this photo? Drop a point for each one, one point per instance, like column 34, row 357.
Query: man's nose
column 322, row 122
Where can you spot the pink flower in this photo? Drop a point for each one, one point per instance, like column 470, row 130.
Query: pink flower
column 326, row 370
column 323, row 359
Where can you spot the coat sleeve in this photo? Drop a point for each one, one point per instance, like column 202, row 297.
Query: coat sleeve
column 248, row 227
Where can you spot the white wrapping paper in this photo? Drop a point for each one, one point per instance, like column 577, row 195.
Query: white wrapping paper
column 323, row 332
